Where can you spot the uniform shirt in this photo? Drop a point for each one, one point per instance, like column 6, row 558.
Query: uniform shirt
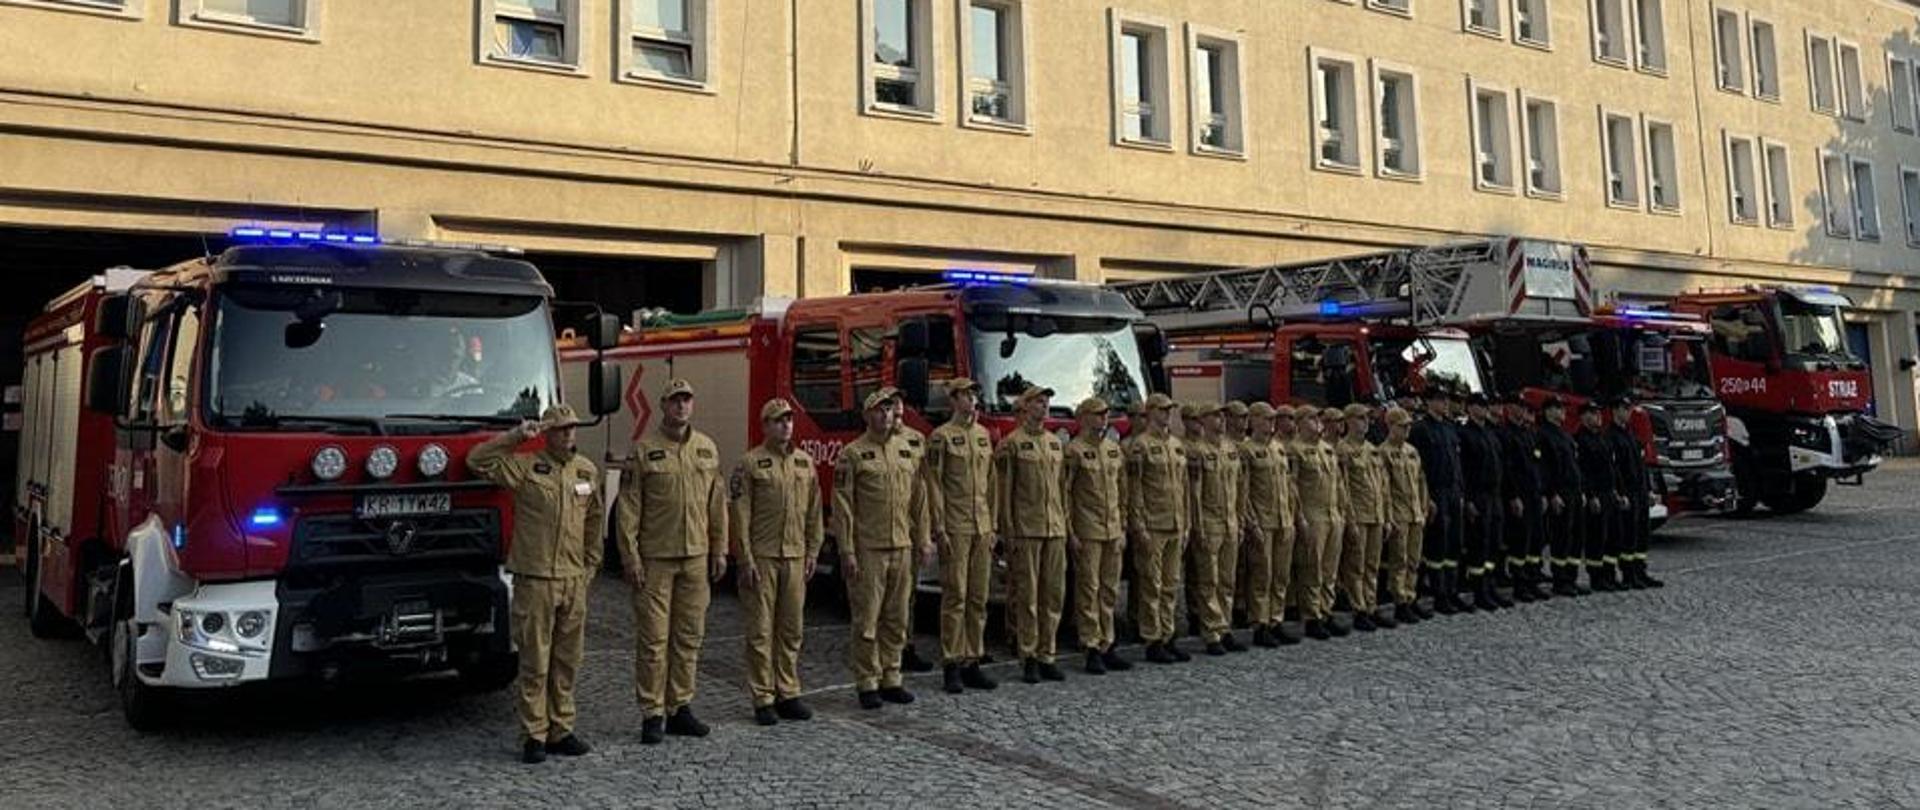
column 1340, row 500
column 1480, row 460
column 558, row 519
column 776, row 506
column 959, row 471
column 1596, row 465
column 1560, row 470
column 1406, row 483
column 878, row 499
column 1629, row 463
column 1095, row 489
column 1269, row 481
column 1521, row 468
column 1365, row 478
column 672, row 503
column 1220, row 493
column 1157, row 484
column 1437, row 439
column 1028, row 473
column 1317, row 474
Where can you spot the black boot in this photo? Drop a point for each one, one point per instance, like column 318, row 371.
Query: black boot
column 1499, row 598
column 653, row 730
column 1180, row 655
column 1363, row 622
column 765, row 716
column 911, row 661
column 682, row 723
column 1385, row 621
column 1284, row 636
column 950, row 679
column 1095, row 664
column 1337, row 629
column 1263, row 637
column 1232, row 644
column 1523, row 587
column 869, row 699
column 1633, row 577
column 1050, row 672
column 972, row 678
column 1647, row 579
column 533, row 752
column 1157, row 654
column 1215, row 648
column 1114, row 662
column 1030, row 671
column 792, row 709
column 1600, row 579
column 1317, row 630
column 1483, row 594
column 1405, row 614
column 569, row 746
column 896, row 694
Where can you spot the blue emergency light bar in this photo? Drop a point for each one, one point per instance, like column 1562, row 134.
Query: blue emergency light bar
column 265, row 517
column 983, row 277
column 1629, row 312
column 286, row 236
column 1330, row 308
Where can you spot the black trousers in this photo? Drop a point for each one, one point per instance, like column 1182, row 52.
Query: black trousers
column 1603, row 529
column 1482, row 541
column 1631, row 538
column 1524, row 540
column 1440, row 549
column 1566, row 537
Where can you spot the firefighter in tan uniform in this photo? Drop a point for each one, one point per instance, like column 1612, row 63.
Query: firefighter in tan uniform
column 673, row 544
column 558, row 523
column 1219, row 501
column 1407, row 508
column 1156, row 521
column 1285, row 582
column 959, row 472
column 1318, row 476
column 1333, row 428
column 1032, row 511
column 1366, row 478
column 777, row 534
column 879, row 520
column 1268, row 524
column 1096, row 532
column 916, row 442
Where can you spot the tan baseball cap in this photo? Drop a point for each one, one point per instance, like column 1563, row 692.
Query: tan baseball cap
column 1206, row 409
column 1091, row 405
column 1160, row 402
column 1262, row 410
column 677, row 387
column 882, row 396
column 1032, row 393
column 1235, row 408
column 1283, row 411
column 559, row 415
column 959, row 384
column 1358, row 411
column 1398, row 416
column 1332, row 413
column 775, row 408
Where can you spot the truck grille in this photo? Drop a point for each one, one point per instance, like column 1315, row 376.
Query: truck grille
column 343, row 539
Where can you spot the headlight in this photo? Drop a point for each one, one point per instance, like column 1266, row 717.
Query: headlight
column 330, row 463
column 433, row 460
column 383, row 461
column 213, row 623
column 251, row 624
column 186, row 620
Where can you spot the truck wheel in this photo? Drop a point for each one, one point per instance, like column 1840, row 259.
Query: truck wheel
column 43, row 619
column 1656, row 524
column 491, row 673
column 145, row 707
column 1807, row 493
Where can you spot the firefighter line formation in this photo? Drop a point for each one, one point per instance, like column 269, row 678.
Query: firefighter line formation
column 1358, row 509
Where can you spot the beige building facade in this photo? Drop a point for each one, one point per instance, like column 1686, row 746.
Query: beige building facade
column 809, row 147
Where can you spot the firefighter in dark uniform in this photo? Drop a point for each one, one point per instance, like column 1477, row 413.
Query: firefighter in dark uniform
column 1437, row 440
column 1635, row 525
column 1480, row 461
column 1525, row 502
column 1566, row 513
column 1603, row 500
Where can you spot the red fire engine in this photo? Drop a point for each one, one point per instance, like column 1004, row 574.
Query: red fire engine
column 250, row 466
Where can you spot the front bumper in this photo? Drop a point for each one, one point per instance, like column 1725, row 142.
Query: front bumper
column 1694, row 491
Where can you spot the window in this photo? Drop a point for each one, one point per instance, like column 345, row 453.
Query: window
column 1396, row 6
column 1663, row 168
column 900, row 41
column 1609, row 31
column 866, row 357
column 539, row 33
column 105, row 8
column 666, row 40
column 995, row 49
column 174, row 408
column 1320, row 372
column 1542, row 121
column 1866, row 203
column 1492, row 139
column 1622, row 158
column 1766, row 61
column 1779, row 187
column 1835, row 195
column 1900, row 92
column 1740, row 332
column 816, row 371
column 1396, row 121
column 1910, row 203
column 1532, row 23
column 1743, row 201
column 1650, row 24
column 1336, row 123
column 1820, row 76
column 1728, row 51
column 1853, row 97
column 1217, row 111
column 281, row 15
column 1141, row 111
column 1481, row 16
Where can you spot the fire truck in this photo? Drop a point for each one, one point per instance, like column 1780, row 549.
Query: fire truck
column 1796, row 395
column 250, row 466
column 827, row 354
column 1657, row 357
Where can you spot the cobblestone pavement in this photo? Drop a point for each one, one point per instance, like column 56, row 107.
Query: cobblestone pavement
column 1776, row 669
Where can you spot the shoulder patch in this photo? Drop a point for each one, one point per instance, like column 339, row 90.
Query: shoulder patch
column 1113, row 452
column 913, row 442
column 542, row 468
column 656, row 455
column 703, row 452
column 1156, row 449
column 959, row 441
column 764, row 464
column 584, row 474
column 800, row 463
column 736, row 483
column 866, row 455
column 906, row 454
column 980, row 440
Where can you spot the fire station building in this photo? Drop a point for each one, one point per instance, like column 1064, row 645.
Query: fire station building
column 689, row 154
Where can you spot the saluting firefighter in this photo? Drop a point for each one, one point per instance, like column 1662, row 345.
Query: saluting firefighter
column 1318, row 474
column 1566, row 513
column 673, row 544
column 879, row 522
column 1157, row 520
column 1267, row 524
column 1096, row 532
column 916, row 442
column 1219, row 502
column 1031, row 510
column 960, row 501
column 558, row 523
column 1366, row 479
column 1635, row 525
column 1333, row 428
column 1408, row 505
column 777, row 534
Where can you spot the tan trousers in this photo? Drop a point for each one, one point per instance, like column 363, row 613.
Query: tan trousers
column 1307, row 562
column 1097, row 590
column 1331, row 547
column 1215, row 560
column 1156, row 568
column 670, row 625
column 1404, row 579
column 966, row 564
column 878, row 597
column 774, row 610
column 1266, row 557
column 549, row 625
column 1039, row 571
column 1360, row 566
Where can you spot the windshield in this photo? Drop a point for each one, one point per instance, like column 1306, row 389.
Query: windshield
column 1436, row 360
column 1812, row 329
column 1677, row 370
column 1084, row 357
column 283, row 353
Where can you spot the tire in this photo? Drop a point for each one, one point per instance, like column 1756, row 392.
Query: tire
column 43, row 618
column 146, row 708
column 1655, row 525
column 1807, row 493
column 491, row 673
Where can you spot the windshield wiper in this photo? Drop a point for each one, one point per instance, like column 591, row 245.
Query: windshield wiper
column 485, row 419
column 371, row 424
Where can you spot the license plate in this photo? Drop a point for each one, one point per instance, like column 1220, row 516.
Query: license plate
column 1692, row 455
column 403, row 505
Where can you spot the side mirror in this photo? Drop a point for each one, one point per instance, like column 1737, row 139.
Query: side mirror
column 604, row 386
column 176, row 439
column 911, row 376
column 107, row 380
column 913, row 339
column 603, row 331
column 1042, row 327
column 1908, row 363
column 119, row 316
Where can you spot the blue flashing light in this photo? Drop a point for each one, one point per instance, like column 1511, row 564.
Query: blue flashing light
column 261, row 235
column 335, row 237
column 363, row 239
column 249, row 233
column 266, row 517
column 1640, row 314
column 982, row 277
column 308, row 236
column 179, row 536
column 279, row 234
column 1329, row 308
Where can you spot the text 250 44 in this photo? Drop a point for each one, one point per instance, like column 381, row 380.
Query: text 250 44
column 1743, row 385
